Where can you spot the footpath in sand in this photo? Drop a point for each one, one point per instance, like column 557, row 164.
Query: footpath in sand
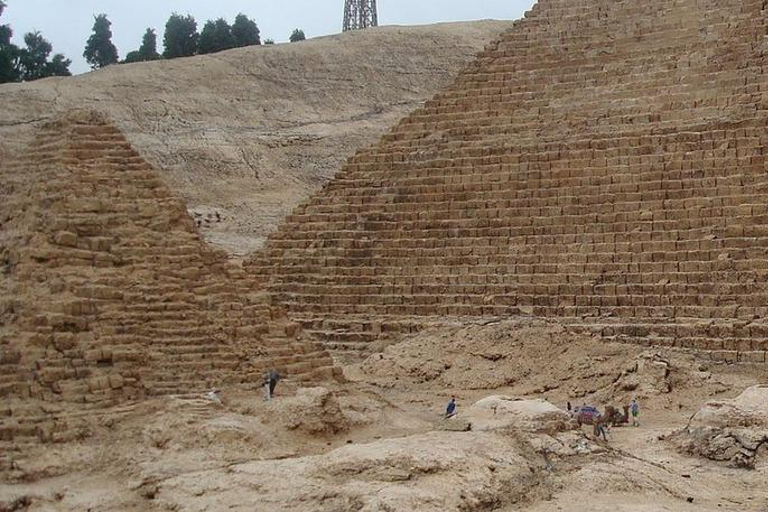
column 377, row 442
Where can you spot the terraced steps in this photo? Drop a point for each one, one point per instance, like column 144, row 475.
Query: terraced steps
column 602, row 159
column 115, row 295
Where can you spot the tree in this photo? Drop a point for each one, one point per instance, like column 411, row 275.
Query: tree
column 59, row 66
column 147, row 50
column 33, row 60
column 99, row 50
column 9, row 53
column 30, row 63
column 180, row 39
column 245, row 31
column 216, row 36
column 206, row 43
column 297, row 35
column 34, row 57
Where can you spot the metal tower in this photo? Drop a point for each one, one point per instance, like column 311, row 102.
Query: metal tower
column 359, row 14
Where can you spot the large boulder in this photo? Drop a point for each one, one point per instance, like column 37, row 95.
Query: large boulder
column 433, row 472
column 503, row 412
column 314, row 411
column 731, row 431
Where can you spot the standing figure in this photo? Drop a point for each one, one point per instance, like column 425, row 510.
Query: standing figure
column 600, row 426
column 634, row 409
column 451, row 409
column 273, row 376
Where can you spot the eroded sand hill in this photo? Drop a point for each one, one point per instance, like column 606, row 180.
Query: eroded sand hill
column 245, row 135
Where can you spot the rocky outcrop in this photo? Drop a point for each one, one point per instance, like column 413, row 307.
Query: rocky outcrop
column 730, row 431
column 433, row 472
column 503, row 412
column 313, row 411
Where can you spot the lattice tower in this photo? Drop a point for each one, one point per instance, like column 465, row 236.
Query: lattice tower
column 359, row 14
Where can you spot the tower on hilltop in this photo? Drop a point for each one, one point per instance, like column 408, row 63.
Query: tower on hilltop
column 359, row 14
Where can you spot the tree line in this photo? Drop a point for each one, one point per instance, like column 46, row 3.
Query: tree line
column 29, row 63
column 181, row 39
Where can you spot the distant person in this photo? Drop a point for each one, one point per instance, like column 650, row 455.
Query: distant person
column 271, row 380
column 601, row 427
column 451, row 409
column 634, row 409
column 214, row 396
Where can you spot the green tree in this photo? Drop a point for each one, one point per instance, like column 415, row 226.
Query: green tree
column 180, row 39
column 131, row 57
column 9, row 53
column 33, row 60
column 297, row 35
column 245, row 31
column 34, row 57
column 215, row 37
column 147, row 50
column 99, row 50
column 58, row 66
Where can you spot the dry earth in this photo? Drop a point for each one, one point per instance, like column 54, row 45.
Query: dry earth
column 377, row 442
column 245, row 135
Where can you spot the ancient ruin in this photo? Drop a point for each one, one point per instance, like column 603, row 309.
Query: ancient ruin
column 578, row 223
column 110, row 294
column 602, row 163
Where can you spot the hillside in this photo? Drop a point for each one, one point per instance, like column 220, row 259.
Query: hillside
column 594, row 178
column 249, row 133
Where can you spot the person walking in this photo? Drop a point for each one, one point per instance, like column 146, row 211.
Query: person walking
column 451, row 409
column 634, row 410
column 270, row 382
column 601, row 426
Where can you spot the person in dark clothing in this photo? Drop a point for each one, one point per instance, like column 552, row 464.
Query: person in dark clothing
column 451, row 409
column 273, row 376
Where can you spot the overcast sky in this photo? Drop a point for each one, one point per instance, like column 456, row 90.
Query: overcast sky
column 68, row 23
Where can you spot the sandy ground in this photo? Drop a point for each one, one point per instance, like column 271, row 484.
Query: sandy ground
column 377, row 441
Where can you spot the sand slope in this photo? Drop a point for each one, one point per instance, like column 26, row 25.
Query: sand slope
column 251, row 132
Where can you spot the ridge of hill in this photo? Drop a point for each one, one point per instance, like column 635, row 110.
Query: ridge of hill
column 245, row 135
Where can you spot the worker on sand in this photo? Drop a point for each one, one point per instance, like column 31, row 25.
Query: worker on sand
column 601, row 426
column 634, row 409
column 451, row 409
column 271, row 380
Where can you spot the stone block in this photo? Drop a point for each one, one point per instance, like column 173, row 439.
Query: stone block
column 65, row 238
column 116, row 381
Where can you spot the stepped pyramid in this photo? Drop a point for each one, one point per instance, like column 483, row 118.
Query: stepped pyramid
column 109, row 293
column 603, row 163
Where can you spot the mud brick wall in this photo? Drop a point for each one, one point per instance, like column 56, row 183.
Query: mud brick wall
column 108, row 291
column 603, row 162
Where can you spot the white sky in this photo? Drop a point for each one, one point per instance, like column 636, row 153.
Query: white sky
column 67, row 23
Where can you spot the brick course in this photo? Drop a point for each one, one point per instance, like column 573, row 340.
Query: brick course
column 602, row 160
